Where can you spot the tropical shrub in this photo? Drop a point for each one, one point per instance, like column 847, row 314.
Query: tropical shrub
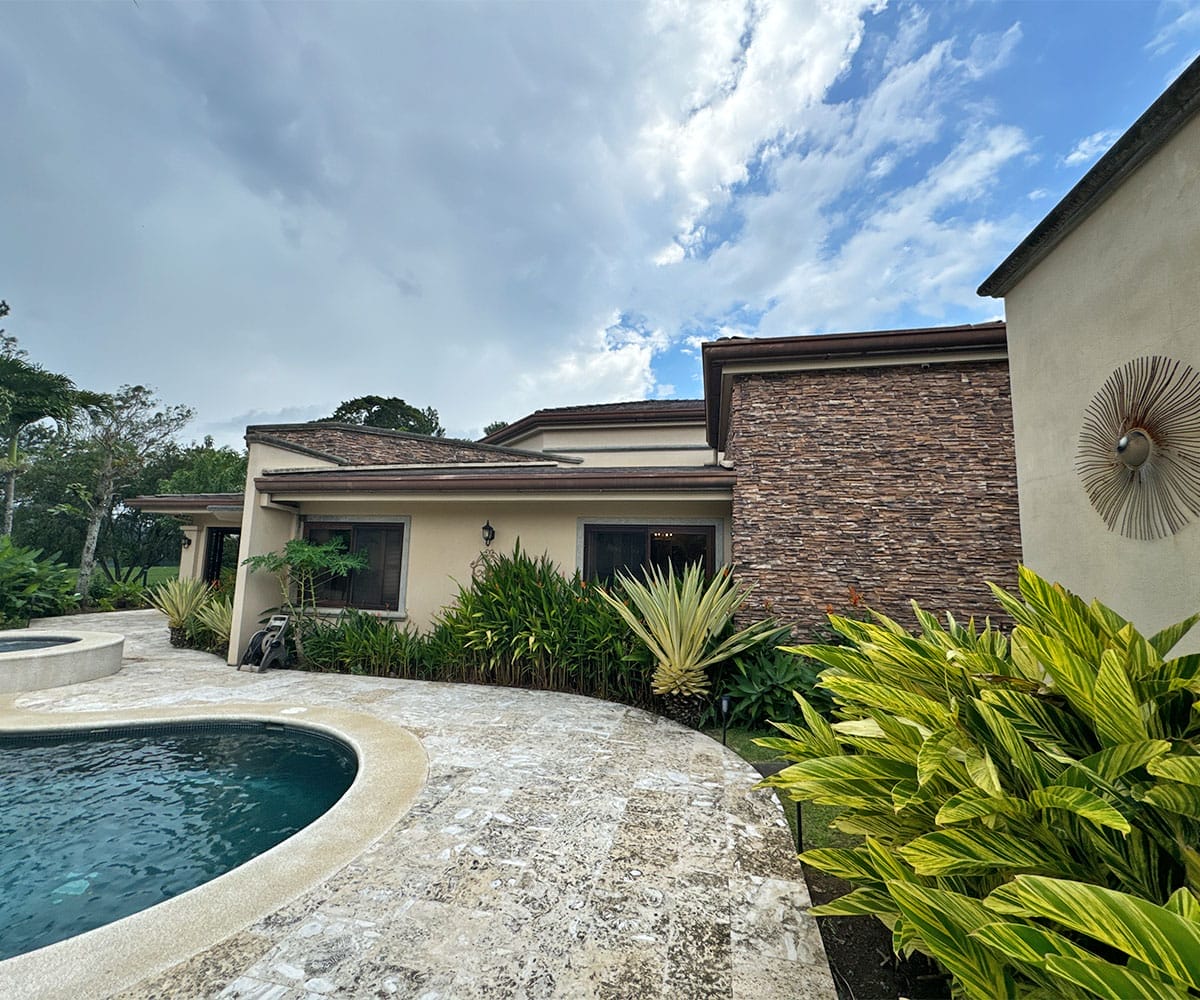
column 212, row 623
column 117, row 594
column 358, row 642
column 179, row 600
column 972, row 763
column 764, row 680
column 303, row 567
column 30, row 586
column 681, row 620
column 521, row 622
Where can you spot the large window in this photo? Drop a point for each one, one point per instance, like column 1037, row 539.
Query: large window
column 376, row 588
column 608, row 548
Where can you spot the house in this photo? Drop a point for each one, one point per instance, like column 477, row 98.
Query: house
column 1103, row 306
column 880, row 461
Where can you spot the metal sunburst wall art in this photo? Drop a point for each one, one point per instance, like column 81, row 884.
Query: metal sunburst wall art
column 1139, row 451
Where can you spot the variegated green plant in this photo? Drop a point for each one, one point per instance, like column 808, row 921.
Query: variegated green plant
column 966, row 759
column 179, row 599
column 214, row 619
column 680, row 620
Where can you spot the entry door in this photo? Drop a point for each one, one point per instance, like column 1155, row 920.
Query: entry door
column 220, row 552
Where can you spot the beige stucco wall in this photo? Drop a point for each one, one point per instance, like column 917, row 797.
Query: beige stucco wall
column 264, row 529
column 1124, row 284
column 444, row 539
column 192, row 557
column 645, row 444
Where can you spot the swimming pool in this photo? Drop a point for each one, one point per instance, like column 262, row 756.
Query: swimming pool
column 95, row 826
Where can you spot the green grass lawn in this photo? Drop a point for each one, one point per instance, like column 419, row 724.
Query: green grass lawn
column 156, row 575
column 816, row 819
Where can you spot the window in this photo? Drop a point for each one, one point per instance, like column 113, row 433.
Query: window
column 608, row 548
column 376, row 588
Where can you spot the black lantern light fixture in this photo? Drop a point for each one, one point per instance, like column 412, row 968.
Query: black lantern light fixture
column 489, row 533
column 187, row 541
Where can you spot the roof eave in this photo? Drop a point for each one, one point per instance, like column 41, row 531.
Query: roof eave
column 886, row 346
column 1165, row 117
column 538, row 419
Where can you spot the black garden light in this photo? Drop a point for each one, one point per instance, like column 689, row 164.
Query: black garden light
column 724, row 717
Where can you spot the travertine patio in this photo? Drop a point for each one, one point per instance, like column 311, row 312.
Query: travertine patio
column 561, row 847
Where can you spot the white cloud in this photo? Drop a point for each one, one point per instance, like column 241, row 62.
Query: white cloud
column 1090, row 147
column 1186, row 20
column 264, row 211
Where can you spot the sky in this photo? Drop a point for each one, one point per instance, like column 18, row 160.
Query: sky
column 261, row 210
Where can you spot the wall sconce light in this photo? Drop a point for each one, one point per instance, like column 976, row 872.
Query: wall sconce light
column 187, row 541
column 489, row 533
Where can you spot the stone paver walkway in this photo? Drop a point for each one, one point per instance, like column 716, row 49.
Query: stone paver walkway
column 562, row 847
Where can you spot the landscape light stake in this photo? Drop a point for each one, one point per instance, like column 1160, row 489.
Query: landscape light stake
column 724, row 717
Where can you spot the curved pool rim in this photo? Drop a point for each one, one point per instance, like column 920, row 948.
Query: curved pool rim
column 392, row 770
column 79, row 656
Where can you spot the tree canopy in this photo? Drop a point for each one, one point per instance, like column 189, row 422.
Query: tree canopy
column 204, row 468
column 28, row 395
column 495, row 425
column 388, row 412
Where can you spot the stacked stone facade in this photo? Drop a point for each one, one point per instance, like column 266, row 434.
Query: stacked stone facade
column 897, row 481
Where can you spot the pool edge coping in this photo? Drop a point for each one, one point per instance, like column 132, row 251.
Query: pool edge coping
column 392, row 769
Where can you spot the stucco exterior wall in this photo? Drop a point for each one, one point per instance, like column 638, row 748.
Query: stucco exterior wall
column 1124, row 284
column 645, row 444
column 264, row 529
column 897, row 481
column 443, row 539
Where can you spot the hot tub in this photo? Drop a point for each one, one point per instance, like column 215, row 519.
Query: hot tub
column 33, row 660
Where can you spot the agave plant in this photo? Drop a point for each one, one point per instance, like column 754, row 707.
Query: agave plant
column 179, row 600
column 680, row 620
column 971, row 762
column 214, row 618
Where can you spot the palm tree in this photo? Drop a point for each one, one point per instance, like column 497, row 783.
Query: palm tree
column 28, row 394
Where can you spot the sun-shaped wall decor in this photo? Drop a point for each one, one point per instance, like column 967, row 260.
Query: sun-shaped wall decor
column 1139, row 450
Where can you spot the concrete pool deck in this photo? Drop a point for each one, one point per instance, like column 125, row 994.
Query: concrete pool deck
column 559, row 847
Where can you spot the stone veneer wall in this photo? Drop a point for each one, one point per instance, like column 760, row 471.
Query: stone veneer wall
column 897, row 481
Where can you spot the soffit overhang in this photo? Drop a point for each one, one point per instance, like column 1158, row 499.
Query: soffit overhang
column 724, row 360
column 1165, row 117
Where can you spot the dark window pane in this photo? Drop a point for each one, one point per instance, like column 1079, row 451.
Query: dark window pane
column 333, row 590
column 376, row 588
column 607, row 549
column 678, row 548
column 616, row 549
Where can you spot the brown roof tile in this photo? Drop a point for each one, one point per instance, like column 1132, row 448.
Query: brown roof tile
column 347, row 444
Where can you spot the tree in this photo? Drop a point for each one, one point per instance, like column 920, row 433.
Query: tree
column 28, row 395
column 117, row 441
column 204, row 468
column 388, row 412
column 495, row 425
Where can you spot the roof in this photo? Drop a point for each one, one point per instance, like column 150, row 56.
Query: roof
column 509, row 479
column 353, row 444
column 885, row 347
column 673, row 411
column 186, row 503
column 1166, row 116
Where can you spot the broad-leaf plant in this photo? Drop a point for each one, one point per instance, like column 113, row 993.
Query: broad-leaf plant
column 1029, row 804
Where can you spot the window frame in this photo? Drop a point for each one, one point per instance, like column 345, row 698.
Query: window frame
column 711, row 529
column 351, row 522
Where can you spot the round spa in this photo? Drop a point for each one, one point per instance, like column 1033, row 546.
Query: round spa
column 30, row 660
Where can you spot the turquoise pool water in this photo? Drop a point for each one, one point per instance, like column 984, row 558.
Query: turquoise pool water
column 95, row 827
